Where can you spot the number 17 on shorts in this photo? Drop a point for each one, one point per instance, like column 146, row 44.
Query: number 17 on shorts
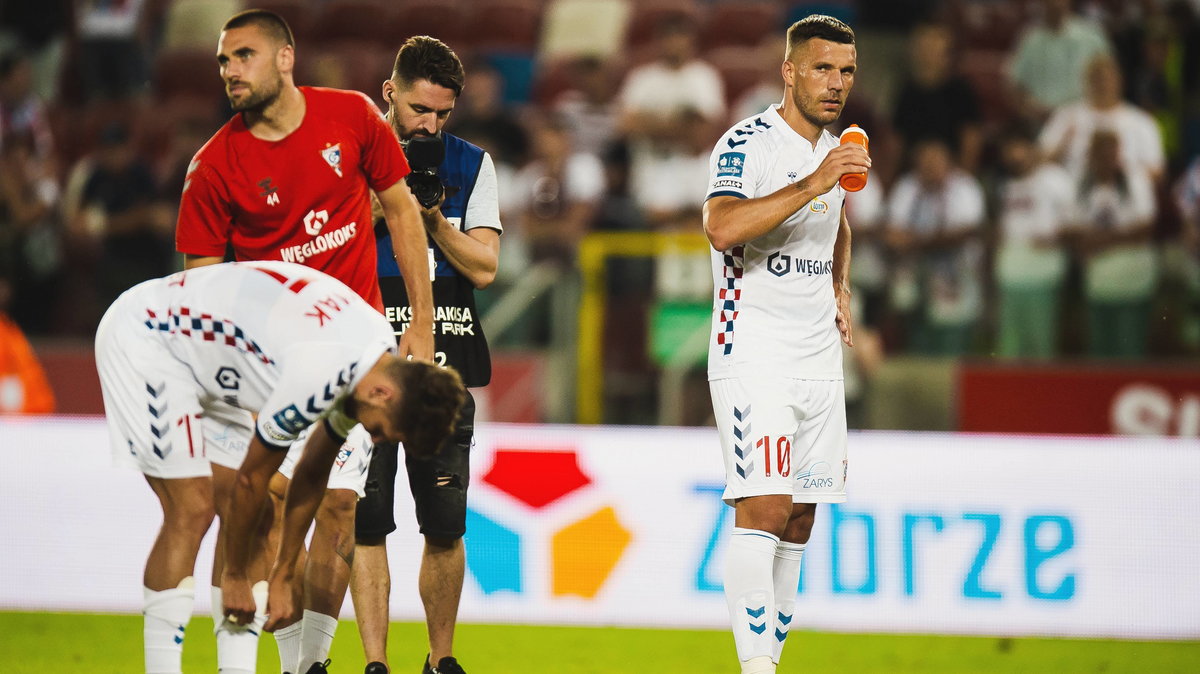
column 782, row 436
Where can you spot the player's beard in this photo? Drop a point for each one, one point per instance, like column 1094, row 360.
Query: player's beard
column 258, row 99
column 810, row 108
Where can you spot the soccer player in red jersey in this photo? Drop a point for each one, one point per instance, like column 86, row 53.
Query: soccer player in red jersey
column 288, row 178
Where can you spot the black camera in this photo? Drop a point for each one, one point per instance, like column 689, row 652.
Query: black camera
column 425, row 155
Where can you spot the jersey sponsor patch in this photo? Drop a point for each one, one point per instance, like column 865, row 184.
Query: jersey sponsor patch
column 731, row 164
column 727, row 182
column 291, row 421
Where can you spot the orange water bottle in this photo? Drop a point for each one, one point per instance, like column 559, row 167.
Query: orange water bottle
column 853, row 182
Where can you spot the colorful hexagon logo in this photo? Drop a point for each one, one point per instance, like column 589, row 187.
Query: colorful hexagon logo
column 583, row 554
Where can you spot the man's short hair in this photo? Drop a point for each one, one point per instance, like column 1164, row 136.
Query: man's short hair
column 430, row 400
column 427, row 58
column 821, row 27
column 267, row 21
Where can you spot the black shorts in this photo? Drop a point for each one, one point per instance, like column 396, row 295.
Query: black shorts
column 438, row 484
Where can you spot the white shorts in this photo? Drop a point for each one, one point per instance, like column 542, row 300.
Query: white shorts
column 349, row 468
column 151, row 401
column 782, row 436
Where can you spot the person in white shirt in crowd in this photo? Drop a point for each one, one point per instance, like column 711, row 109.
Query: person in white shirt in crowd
column 659, row 101
column 589, row 107
column 1187, row 200
column 1067, row 136
column 1036, row 205
column 1049, row 60
column 1115, row 214
column 935, row 220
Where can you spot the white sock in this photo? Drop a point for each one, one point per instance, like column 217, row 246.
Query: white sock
column 288, row 641
column 237, row 646
column 758, row 665
column 750, row 592
column 787, row 579
column 165, row 615
column 317, row 637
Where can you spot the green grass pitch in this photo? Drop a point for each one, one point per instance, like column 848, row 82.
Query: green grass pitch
column 111, row 644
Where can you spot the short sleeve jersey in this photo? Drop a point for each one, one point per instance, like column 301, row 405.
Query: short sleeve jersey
column 302, row 199
column 278, row 339
column 773, row 303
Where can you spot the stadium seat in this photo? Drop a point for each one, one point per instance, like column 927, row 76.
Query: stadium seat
column 509, row 25
column 297, row 13
column 734, row 22
column 187, row 71
column 196, row 23
column 648, row 15
column 443, row 19
column 357, row 66
column 361, row 21
column 584, row 28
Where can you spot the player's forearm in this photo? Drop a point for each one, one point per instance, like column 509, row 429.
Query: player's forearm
column 411, row 250
column 841, row 256
column 729, row 221
column 304, row 495
column 476, row 260
column 238, row 527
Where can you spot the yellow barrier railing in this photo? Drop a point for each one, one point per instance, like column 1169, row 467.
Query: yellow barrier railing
column 594, row 251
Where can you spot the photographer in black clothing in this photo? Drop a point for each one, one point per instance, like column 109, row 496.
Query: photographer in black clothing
column 463, row 223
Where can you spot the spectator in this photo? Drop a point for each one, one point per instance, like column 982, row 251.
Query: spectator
column 869, row 273
column 30, row 242
column 1035, row 209
column 111, row 57
column 662, row 103
column 560, row 189
column 1115, row 210
column 22, row 111
column 1068, row 134
column 40, row 31
column 588, row 108
column 1187, row 199
column 485, row 119
column 1050, row 58
column 558, row 192
column 120, row 208
column 935, row 217
column 936, row 103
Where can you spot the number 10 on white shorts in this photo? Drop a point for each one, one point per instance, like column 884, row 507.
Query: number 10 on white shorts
column 782, row 436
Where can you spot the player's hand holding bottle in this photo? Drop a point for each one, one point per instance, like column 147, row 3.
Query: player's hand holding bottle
column 848, row 159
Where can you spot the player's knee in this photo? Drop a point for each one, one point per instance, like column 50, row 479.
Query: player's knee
column 192, row 519
column 764, row 513
column 799, row 527
column 338, row 506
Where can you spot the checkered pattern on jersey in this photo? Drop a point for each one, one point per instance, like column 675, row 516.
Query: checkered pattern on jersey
column 180, row 320
column 730, row 296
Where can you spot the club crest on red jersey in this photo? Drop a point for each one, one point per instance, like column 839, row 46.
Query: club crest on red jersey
column 333, row 156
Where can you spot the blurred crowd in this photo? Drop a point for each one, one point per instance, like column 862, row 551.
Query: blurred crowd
column 1036, row 191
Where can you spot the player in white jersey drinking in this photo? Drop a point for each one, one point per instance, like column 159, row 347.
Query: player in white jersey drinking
column 185, row 361
column 781, row 255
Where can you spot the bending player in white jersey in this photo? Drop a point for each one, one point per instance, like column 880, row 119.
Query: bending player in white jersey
column 774, row 215
column 185, row 360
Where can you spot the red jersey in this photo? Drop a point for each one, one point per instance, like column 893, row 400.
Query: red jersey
column 302, row 199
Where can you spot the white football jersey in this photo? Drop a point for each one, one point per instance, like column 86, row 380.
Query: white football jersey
column 281, row 340
column 773, row 303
